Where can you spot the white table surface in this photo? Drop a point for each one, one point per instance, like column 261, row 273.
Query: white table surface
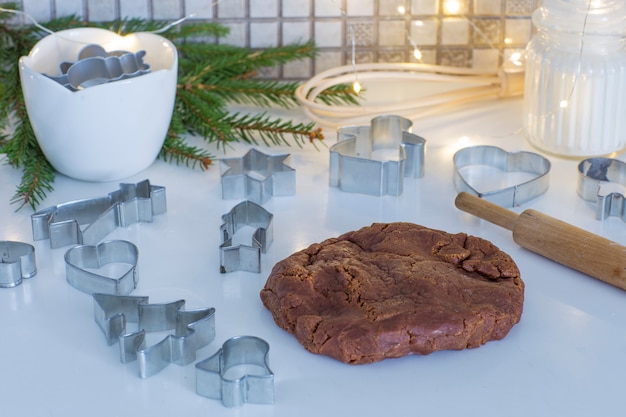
column 567, row 356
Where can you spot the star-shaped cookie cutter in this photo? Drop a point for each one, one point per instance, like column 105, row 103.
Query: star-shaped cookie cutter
column 257, row 177
column 245, row 257
column 352, row 168
column 602, row 181
column 193, row 329
column 132, row 203
column 214, row 381
column 17, row 262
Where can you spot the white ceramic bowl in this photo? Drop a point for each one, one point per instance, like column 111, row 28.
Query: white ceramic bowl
column 105, row 132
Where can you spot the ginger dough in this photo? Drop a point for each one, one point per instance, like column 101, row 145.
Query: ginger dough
column 390, row 290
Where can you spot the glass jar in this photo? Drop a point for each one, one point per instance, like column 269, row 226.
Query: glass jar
column 575, row 82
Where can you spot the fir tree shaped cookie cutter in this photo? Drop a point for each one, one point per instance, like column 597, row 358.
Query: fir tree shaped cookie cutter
column 193, row 329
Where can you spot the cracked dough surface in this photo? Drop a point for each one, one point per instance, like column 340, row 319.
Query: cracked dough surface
column 389, row 290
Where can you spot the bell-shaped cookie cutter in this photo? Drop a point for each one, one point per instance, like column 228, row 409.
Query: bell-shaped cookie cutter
column 352, row 168
column 257, row 177
column 602, row 181
column 193, row 329
column 507, row 162
column 82, row 260
column 17, row 262
column 245, row 257
column 130, row 204
column 214, row 379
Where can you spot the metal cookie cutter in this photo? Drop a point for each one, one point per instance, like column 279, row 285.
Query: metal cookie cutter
column 215, row 379
column 508, row 162
column 130, row 204
column 17, row 263
column 352, row 168
column 79, row 259
column 257, row 177
column 96, row 66
column 602, row 181
column 193, row 329
column 244, row 257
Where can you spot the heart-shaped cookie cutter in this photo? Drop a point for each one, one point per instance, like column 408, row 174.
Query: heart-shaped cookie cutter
column 352, row 168
column 193, row 329
column 597, row 178
column 213, row 381
column 80, row 259
column 507, row 162
column 17, row 262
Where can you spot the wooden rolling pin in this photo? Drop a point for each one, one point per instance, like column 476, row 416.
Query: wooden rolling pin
column 556, row 240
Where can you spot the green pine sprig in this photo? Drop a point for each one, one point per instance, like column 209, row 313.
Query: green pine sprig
column 211, row 76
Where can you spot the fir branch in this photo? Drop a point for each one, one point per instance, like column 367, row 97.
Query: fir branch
column 237, row 63
column 201, row 117
column 176, row 150
column 196, row 32
column 21, row 147
column 211, row 75
column 271, row 131
column 262, row 93
column 339, row 94
column 37, row 179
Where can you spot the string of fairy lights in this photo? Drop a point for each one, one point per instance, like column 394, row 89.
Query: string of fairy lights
column 480, row 84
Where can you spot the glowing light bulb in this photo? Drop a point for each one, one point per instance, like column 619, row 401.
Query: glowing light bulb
column 417, row 54
column 516, row 58
column 356, row 86
column 452, row 6
column 401, row 10
column 563, row 104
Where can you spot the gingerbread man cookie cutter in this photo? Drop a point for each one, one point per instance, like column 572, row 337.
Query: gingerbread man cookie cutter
column 132, row 203
column 353, row 168
column 193, row 329
column 602, row 181
column 214, row 379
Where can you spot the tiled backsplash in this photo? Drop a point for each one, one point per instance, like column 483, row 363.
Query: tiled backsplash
column 466, row 33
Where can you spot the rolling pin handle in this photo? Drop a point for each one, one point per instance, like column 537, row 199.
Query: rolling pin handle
column 486, row 210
